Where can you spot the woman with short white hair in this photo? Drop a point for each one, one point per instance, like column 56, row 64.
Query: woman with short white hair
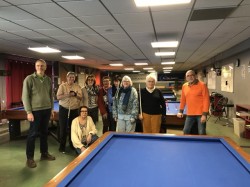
column 152, row 105
column 125, row 106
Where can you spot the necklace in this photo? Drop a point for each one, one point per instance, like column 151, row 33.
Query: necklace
column 82, row 123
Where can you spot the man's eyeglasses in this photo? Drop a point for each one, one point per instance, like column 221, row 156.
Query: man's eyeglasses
column 90, row 79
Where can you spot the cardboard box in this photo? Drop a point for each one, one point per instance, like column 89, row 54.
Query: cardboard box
column 239, row 127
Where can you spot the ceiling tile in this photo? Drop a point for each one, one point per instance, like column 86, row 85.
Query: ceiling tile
column 45, row 10
column 84, row 8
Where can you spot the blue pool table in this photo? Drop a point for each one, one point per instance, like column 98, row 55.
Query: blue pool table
column 15, row 115
column 158, row 160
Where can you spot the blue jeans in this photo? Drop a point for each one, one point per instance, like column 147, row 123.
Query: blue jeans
column 194, row 120
column 94, row 138
column 39, row 125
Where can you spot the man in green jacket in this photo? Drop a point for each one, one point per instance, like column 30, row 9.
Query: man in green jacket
column 38, row 103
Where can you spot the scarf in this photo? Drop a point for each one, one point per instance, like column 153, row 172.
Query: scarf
column 93, row 90
column 125, row 101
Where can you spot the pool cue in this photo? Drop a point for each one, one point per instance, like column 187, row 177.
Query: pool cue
column 68, row 113
column 140, row 99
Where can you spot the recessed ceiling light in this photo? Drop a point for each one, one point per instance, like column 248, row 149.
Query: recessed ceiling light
column 147, row 68
column 141, row 64
column 164, row 53
column 116, row 64
column 167, row 63
column 129, row 69
column 164, row 44
column 167, row 68
column 145, row 3
column 76, row 57
column 44, row 49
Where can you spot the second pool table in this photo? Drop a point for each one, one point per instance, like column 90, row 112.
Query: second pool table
column 172, row 108
column 15, row 115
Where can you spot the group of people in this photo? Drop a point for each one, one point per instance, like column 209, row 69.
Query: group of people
column 120, row 106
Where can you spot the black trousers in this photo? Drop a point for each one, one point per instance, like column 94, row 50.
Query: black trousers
column 65, row 124
column 39, row 125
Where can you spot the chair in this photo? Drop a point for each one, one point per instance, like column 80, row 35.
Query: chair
column 218, row 109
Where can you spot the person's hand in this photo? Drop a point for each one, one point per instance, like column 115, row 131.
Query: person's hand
column 132, row 120
column 89, row 138
column 72, row 94
column 140, row 116
column 203, row 119
column 83, row 149
column 179, row 115
column 30, row 117
column 115, row 119
column 105, row 116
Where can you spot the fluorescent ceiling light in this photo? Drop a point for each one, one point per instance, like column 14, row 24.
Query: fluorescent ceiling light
column 116, row 64
column 164, row 44
column 129, row 69
column 76, row 57
column 44, row 49
column 167, row 68
column 167, row 72
column 147, row 68
column 164, row 53
column 141, row 64
column 168, row 63
column 151, row 71
column 145, row 3
column 136, row 71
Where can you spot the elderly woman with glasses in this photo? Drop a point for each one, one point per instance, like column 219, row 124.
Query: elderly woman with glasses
column 152, row 105
column 125, row 106
column 83, row 131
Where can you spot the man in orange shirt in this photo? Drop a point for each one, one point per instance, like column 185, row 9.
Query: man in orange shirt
column 195, row 97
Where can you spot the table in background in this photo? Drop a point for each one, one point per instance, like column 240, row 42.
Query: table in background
column 172, row 108
column 169, row 96
column 158, row 160
column 15, row 115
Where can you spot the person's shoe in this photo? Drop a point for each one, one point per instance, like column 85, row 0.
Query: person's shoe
column 62, row 150
column 31, row 163
column 47, row 156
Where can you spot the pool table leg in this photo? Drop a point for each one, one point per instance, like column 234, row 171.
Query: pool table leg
column 14, row 129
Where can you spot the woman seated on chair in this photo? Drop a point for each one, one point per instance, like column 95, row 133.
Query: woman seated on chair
column 83, row 131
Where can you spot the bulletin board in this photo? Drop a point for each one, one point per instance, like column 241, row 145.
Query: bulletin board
column 211, row 80
column 227, row 76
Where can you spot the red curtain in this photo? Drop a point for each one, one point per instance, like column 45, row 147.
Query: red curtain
column 14, row 83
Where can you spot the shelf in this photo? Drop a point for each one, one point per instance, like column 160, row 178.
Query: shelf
column 242, row 113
